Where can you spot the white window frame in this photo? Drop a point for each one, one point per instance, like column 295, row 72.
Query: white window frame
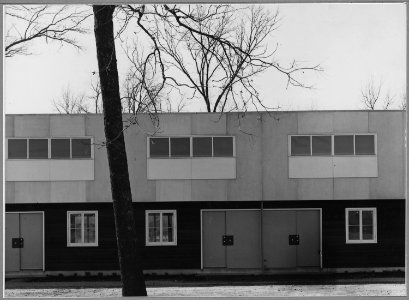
column 160, row 243
column 82, row 244
column 333, row 144
column 361, row 240
column 148, row 152
column 49, row 147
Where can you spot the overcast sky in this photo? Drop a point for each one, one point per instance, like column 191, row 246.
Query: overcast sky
column 352, row 42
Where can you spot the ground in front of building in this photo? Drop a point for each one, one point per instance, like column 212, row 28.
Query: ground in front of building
column 220, row 286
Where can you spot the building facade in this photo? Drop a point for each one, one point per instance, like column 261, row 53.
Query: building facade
column 255, row 192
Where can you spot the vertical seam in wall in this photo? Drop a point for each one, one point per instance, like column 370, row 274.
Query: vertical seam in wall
column 228, row 182
column 333, row 166
column 262, row 156
column 49, row 182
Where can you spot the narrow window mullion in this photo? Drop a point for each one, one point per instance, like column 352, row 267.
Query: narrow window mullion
column 332, row 145
column 169, row 148
column 310, row 145
column 70, row 148
column 160, row 228
column 28, row 149
column 212, row 147
column 49, row 148
column 360, row 226
column 191, row 146
column 354, row 143
column 82, row 227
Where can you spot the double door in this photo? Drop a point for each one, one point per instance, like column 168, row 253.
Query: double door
column 24, row 241
column 272, row 239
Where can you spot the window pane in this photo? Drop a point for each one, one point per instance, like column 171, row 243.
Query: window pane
column 365, row 144
column 154, row 235
column 223, row 146
column 353, row 217
column 89, row 235
column 89, row 220
column 159, row 147
column 60, row 148
column 321, row 145
column 17, row 148
column 343, row 144
column 167, row 234
column 300, row 145
column 202, row 146
column 354, row 232
column 75, row 235
column 167, row 219
column 367, row 232
column 81, row 148
column 38, row 148
column 75, row 221
column 367, row 217
column 153, row 220
column 180, row 147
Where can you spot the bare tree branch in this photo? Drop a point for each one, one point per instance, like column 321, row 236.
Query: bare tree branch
column 212, row 51
column 55, row 23
column 69, row 103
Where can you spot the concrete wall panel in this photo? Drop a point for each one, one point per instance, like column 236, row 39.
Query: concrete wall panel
column 351, row 188
column 315, row 189
column 32, row 192
column 49, row 170
column 9, row 124
column 68, row 191
column 310, row 167
column 249, row 165
column 142, row 188
column 173, row 190
column 210, row 190
column 211, row 124
column 315, row 122
column 98, row 190
column 9, row 192
column 32, row 126
column 67, row 125
column 169, row 125
column 351, row 122
column 276, row 128
column 391, row 152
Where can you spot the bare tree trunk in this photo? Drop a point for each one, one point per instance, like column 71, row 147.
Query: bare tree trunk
column 129, row 253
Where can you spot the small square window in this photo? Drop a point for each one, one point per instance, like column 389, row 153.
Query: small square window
column 17, row 148
column 360, row 224
column 159, row 147
column 161, row 228
column 300, row 145
column 321, row 145
column 223, row 146
column 180, row 147
column 38, row 148
column 60, row 148
column 81, row 148
column 82, row 228
column 202, row 146
column 365, row 144
column 343, row 145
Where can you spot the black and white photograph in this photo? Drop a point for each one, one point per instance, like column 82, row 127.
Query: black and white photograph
column 204, row 149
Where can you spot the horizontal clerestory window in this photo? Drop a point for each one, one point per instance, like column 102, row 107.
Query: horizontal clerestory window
column 44, row 148
column 326, row 145
column 174, row 147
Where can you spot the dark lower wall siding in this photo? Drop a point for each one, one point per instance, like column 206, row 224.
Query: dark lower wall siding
column 388, row 252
